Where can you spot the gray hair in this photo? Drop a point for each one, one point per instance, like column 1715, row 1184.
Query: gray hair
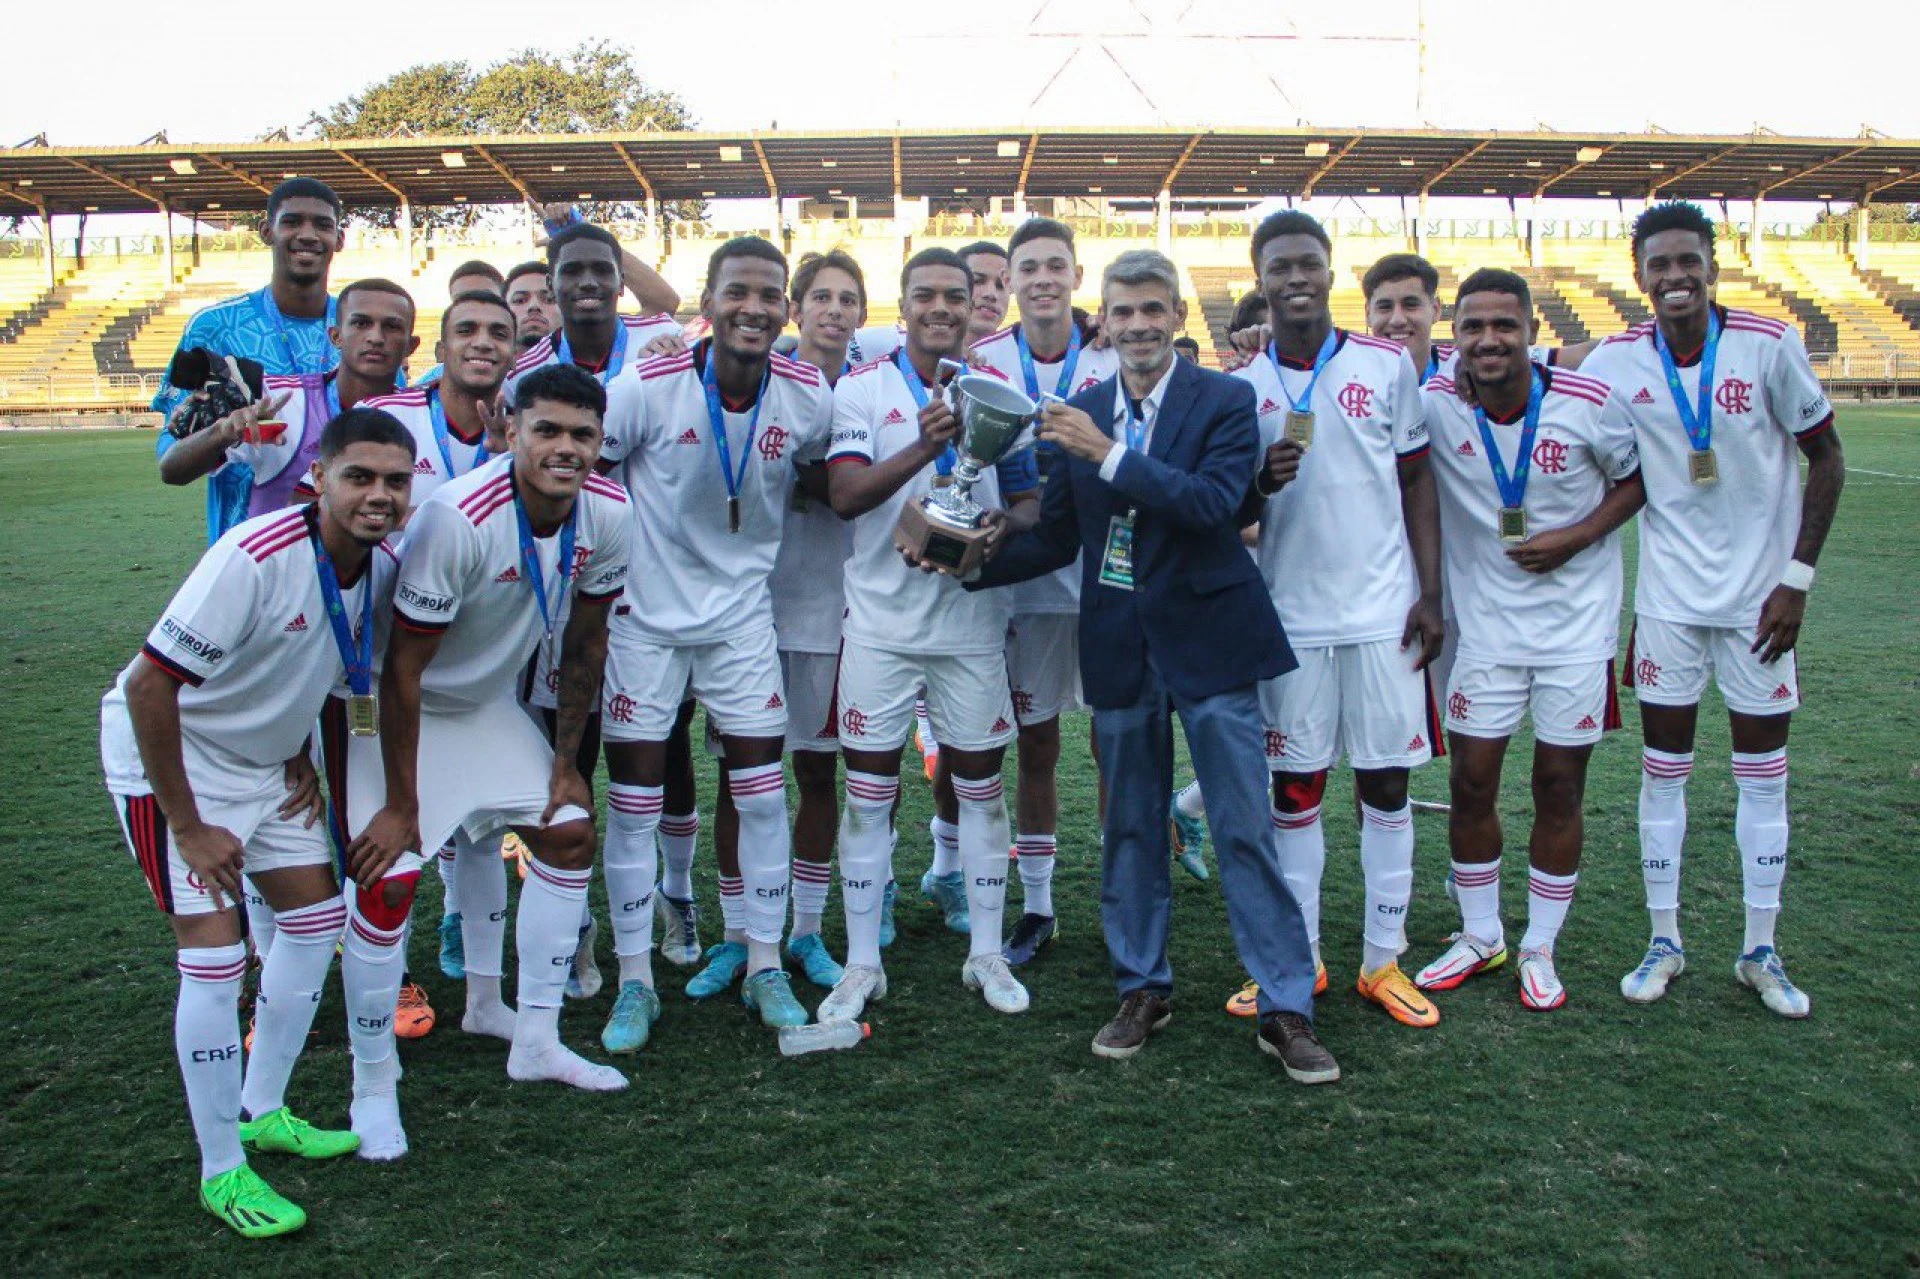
column 1142, row 266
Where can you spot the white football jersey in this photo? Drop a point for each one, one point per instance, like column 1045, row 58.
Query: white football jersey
column 627, row 353
column 1506, row 615
column 1710, row 554
column 809, row 582
column 1333, row 543
column 437, row 457
column 248, row 636
column 890, row 605
column 999, row 356
column 704, row 582
column 875, row 342
column 461, row 574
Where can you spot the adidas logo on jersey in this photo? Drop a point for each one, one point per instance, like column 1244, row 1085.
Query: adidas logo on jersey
column 511, row 574
column 1268, row 406
column 1419, row 743
column 297, row 626
column 423, row 467
column 689, row 436
column 1466, row 449
column 1779, row 694
column 774, row 703
column 1586, row 724
column 1000, row 724
column 894, row 418
column 1644, row 397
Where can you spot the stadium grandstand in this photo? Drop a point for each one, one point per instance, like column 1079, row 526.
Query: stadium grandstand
column 87, row 323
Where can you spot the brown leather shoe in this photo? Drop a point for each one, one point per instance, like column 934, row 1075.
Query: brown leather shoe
column 1141, row 1013
column 1290, row 1037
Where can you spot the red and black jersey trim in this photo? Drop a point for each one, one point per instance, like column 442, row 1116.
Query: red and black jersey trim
column 170, row 666
column 147, row 833
column 417, row 626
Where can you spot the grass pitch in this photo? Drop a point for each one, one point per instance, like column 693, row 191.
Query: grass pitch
column 1700, row 1135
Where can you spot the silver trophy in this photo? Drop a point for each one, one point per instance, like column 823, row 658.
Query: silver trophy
column 946, row 526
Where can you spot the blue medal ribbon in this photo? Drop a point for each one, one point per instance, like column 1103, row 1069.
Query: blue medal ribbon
column 356, row 646
column 530, row 556
column 717, row 416
column 1032, row 376
column 616, row 358
column 441, row 432
column 945, row 463
column 1695, row 416
column 1136, row 425
column 1513, row 488
column 270, row 310
column 1304, row 404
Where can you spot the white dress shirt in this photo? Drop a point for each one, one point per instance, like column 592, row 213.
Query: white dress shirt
column 1149, row 412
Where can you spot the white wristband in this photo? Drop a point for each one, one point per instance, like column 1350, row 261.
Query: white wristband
column 1798, row 576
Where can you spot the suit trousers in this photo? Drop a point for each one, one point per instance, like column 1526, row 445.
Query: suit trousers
column 1225, row 739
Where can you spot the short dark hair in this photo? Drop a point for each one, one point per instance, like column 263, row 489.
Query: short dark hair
column 374, row 284
column 744, row 246
column 477, row 267
column 1288, row 222
column 1400, row 266
column 1673, row 215
column 562, row 384
column 300, row 189
column 988, row 246
column 935, row 256
column 1492, row 279
column 1250, row 310
column 813, row 264
column 363, row 425
column 1185, row 343
column 525, row 268
column 1040, row 229
column 476, row 295
column 580, row 231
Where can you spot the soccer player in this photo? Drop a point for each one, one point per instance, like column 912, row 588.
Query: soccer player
column 204, row 740
column 987, row 262
column 457, row 421
column 649, row 289
column 284, row 326
column 1047, row 352
column 1187, row 349
column 893, row 433
column 1351, row 551
column 1722, row 401
column 531, row 296
column 475, row 276
column 488, row 558
column 707, row 442
column 1534, row 481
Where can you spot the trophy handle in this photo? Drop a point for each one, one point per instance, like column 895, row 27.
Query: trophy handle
column 944, row 374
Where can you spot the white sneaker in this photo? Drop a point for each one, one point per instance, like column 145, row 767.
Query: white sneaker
column 860, row 985
column 990, row 975
column 1540, row 988
column 1761, row 970
column 679, row 929
column 1663, row 962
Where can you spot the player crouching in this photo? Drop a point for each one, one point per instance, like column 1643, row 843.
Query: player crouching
column 204, row 742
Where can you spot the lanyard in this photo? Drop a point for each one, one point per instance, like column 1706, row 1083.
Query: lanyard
column 945, row 462
column 1032, row 376
column 616, row 358
column 356, row 647
column 1304, row 404
column 271, row 310
column 438, row 411
column 1695, row 416
column 1433, row 366
column 530, row 556
column 716, row 414
column 331, row 386
column 1513, row 489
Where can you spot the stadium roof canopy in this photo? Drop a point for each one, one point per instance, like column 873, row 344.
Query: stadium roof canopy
column 1219, row 164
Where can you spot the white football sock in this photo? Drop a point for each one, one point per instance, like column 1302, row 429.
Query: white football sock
column 679, row 833
column 1386, row 863
column 631, row 862
column 290, row 984
column 733, row 907
column 810, row 880
column 866, row 848
column 1760, row 831
column 372, row 964
column 1036, row 872
column 448, row 865
column 1301, row 843
column 983, row 858
column 546, row 933
column 1478, row 887
column 1549, row 898
column 260, row 925
column 760, row 797
column 206, row 1039
column 946, row 846
column 924, row 724
column 1663, row 831
column 1190, row 802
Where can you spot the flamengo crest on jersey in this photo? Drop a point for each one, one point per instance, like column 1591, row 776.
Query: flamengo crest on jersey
column 453, row 579
column 1507, row 616
column 1333, row 543
column 703, row 582
column 1711, row 554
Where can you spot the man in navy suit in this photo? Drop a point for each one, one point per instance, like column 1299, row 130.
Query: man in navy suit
column 1159, row 476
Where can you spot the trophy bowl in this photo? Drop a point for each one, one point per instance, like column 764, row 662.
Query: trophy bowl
column 945, row 527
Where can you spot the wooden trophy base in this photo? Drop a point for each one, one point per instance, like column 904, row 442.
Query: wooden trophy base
column 957, row 551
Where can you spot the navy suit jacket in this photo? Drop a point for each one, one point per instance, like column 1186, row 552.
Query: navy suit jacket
column 1199, row 609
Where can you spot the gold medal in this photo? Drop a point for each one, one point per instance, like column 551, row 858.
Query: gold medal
column 1702, row 468
column 1299, row 427
column 1513, row 524
column 363, row 715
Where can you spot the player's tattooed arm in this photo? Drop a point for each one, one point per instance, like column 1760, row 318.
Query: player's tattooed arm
column 1420, row 508
column 214, row 853
column 395, row 829
column 583, row 659
column 1786, row 607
